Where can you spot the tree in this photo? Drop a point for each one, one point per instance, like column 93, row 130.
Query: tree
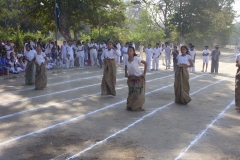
column 73, row 13
column 198, row 17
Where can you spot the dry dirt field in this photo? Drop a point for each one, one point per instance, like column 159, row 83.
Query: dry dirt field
column 70, row 120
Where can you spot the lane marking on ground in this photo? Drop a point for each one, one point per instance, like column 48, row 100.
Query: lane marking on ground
column 199, row 136
column 139, row 120
column 63, row 82
column 63, row 91
column 69, row 75
column 80, row 116
column 66, row 101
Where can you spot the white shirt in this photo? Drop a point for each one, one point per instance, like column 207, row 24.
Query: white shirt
column 133, row 67
column 206, row 51
column 133, row 45
column 40, row 58
column 64, row 48
column 19, row 55
column 238, row 57
column 149, row 51
column 92, row 45
column 30, row 54
column 104, row 46
column 70, row 51
column 168, row 51
column 157, row 52
column 9, row 50
column 81, row 53
column 119, row 47
column 141, row 48
column 11, row 64
column 110, row 54
column 183, row 59
column 24, row 64
column 192, row 53
column 74, row 46
column 125, row 49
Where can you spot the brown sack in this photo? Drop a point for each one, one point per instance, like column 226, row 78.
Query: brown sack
column 136, row 92
column 181, row 86
column 109, row 78
column 30, row 73
column 40, row 77
column 237, row 89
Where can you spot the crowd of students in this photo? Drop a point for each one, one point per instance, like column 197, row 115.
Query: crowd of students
column 79, row 54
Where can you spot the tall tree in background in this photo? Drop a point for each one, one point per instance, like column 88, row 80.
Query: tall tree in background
column 161, row 12
column 203, row 18
column 73, row 12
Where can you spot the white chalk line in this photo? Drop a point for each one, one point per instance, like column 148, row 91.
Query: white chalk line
column 78, row 117
column 67, row 121
column 69, row 75
column 132, row 124
column 50, row 105
column 63, row 82
column 63, row 91
column 199, row 136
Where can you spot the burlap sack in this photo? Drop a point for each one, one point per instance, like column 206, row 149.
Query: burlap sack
column 40, row 77
column 136, row 92
column 109, row 78
column 237, row 90
column 181, row 86
column 30, row 73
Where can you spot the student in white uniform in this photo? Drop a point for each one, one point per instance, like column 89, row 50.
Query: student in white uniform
column 69, row 62
column 40, row 74
column 141, row 47
column 30, row 68
column 163, row 54
column 50, row 62
column 93, row 52
column 192, row 53
column 181, row 83
column 206, row 53
column 70, row 51
column 64, row 50
column 119, row 50
column 133, row 44
column 110, row 70
column 11, row 64
column 156, row 55
column 48, row 47
column 149, row 53
column 236, row 49
column 8, row 49
column 125, row 54
column 80, row 54
column 136, row 81
column 168, row 52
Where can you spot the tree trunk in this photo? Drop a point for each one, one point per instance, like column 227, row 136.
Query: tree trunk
column 65, row 32
column 75, row 35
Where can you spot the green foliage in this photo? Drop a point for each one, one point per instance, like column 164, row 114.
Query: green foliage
column 74, row 13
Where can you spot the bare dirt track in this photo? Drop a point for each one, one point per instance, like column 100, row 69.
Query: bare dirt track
column 70, row 120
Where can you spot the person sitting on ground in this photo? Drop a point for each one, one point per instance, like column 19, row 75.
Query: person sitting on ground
column 19, row 65
column 69, row 62
column 50, row 62
column 1, row 68
column 12, row 66
column 20, row 54
column 5, row 65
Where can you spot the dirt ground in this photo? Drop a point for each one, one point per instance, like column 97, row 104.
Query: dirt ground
column 70, row 120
